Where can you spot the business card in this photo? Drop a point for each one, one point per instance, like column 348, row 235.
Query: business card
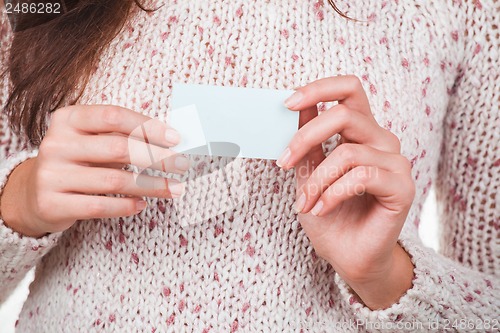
column 230, row 122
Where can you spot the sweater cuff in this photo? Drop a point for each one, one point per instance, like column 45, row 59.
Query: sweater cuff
column 19, row 253
column 417, row 309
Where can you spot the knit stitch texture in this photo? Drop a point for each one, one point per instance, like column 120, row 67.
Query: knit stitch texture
column 430, row 69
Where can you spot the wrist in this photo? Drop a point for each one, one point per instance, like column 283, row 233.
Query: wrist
column 12, row 209
column 386, row 289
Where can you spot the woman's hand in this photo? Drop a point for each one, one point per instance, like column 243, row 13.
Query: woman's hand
column 81, row 159
column 353, row 203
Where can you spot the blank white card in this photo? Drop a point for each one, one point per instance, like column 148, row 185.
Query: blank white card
column 227, row 121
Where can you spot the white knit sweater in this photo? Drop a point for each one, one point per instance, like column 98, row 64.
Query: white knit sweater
column 430, row 69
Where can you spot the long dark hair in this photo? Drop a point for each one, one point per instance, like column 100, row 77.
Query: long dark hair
column 63, row 52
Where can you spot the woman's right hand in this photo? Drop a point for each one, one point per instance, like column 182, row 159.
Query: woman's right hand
column 81, row 159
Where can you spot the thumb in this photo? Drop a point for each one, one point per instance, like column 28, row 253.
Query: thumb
column 306, row 166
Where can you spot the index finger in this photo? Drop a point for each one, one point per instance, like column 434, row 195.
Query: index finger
column 346, row 89
column 100, row 119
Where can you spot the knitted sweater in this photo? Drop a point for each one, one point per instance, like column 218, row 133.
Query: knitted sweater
column 430, row 69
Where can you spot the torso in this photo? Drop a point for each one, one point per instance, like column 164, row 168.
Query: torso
column 250, row 267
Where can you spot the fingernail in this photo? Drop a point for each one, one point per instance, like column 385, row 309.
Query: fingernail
column 294, row 100
column 182, row 163
column 172, row 136
column 284, row 158
column 141, row 205
column 300, row 204
column 317, row 208
column 176, row 189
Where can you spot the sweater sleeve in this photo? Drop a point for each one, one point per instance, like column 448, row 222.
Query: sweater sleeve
column 18, row 254
column 458, row 290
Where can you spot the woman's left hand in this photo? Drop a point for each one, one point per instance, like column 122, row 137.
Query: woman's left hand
column 352, row 203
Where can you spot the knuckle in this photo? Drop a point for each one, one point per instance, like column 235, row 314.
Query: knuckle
column 43, row 207
column 405, row 164
column 354, row 82
column 45, row 144
column 44, row 177
column 394, row 140
column 343, row 114
column 115, row 181
column 397, row 144
column 364, row 174
column 411, row 190
column 111, row 115
column 60, row 115
column 118, row 149
column 49, row 145
column 347, row 153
